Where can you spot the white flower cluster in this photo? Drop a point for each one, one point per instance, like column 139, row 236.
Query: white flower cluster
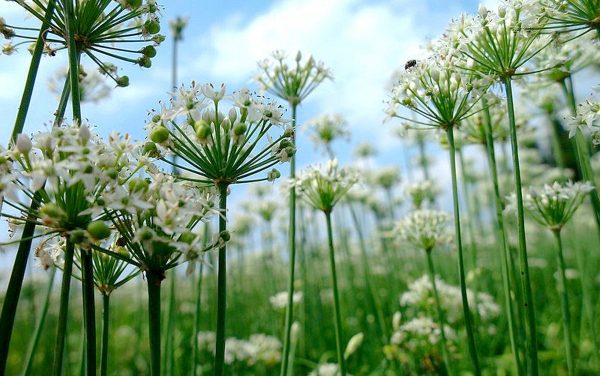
column 425, row 229
column 421, row 192
column 326, row 369
column 325, row 129
column 587, row 119
column 322, row 188
column 410, row 334
column 419, row 298
column 258, row 349
column 279, row 300
column 553, row 205
column 220, row 144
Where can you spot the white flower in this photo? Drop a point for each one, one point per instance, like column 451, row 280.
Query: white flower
column 279, row 300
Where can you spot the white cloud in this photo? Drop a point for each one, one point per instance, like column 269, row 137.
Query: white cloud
column 363, row 42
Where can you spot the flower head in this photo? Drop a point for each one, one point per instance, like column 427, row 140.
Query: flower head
column 322, row 188
column 554, row 205
column 291, row 82
column 425, row 229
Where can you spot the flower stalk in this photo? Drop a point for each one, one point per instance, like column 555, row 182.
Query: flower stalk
column 221, row 285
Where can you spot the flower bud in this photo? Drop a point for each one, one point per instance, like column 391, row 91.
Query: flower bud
column 24, row 144
column 232, row 115
column 354, row 344
column 239, row 129
column 123, row 81
column 98, row 230
column 202, row 130
column 151, row 27
column 273, row 175
column 149, row 51
column 159, row 134
column 84, row 134
column 187, row 237
column 224, row 236
column 77, row 236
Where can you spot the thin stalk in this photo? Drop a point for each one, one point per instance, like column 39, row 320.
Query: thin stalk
column 197, row 314
column 461, row 265
column 372, row 294
column 523, row 263
column 13, row 290
column 32, row 73
column 221, row 286
column 168, row 361
column 89, row 310
column 564, row 303
column 39, row 326
column 63, row 311
column 154, row 280
column 438, row 306
column 289, row 313
column 105, row 332
column 501, row 234
column 423, row 156
column 336, row 299
column 582, row 151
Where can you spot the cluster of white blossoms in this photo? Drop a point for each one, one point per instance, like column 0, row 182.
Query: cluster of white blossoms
column 216, row 143
column 323, row 187
column 425, row 229
column 258, row 349
column 421, row 192
column 410, row 334
column 553, row 205
column 294, row 82
column 419, row 300
column 587, row 118
column 325, row 129
column 433, row 88
column 326, row 369
column 279, row 300
column 68, row 169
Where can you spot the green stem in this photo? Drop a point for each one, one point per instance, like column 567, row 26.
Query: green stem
column 336, row 300
column 63, row 311
column 221, row 286
column 461, row 265
column 440, row 312
column 39, row 326
column 372, row 294
column 32, row 74
column 289, row 313
column 168, row 361
column 523, row 263
column 197, row 314
column 105, row 332
column 582, row 151
column 154, row 280
column 564, row 303
column 501, row 234
column 423, row 156
column 89, row 310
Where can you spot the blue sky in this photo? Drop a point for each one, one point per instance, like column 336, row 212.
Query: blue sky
column 361, row 41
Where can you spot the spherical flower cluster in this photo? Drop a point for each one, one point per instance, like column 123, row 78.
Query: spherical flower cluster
column 325, row 129
column 279, row 300
column 157, row 220
column 258, row 350
column 421, row 192
column 419, row 300
column 554, row 205
column 326, row 369
column 576, row 16
column 437, row 91
column 67, row 171
column 587, row 119
column 425, row 229
column 220, row 145
column 291, row 83
column 386, row 177
column 104, row 29
column 322, row 188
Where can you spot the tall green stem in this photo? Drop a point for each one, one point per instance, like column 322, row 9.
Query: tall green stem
column 461, row 265
column 501, row 235
column 105, row 332
column 13, row 290
column 221, row 286
column 523, row 263
column 32, row 73
column 63, row 311
column 39, row 326
column 564, row 303
column 89, row 310
column 372, row 294
column 582, row 150
column 289, row 313
column 168, row 359
column 336, row 300
column 440, row 312
column 154, row 280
